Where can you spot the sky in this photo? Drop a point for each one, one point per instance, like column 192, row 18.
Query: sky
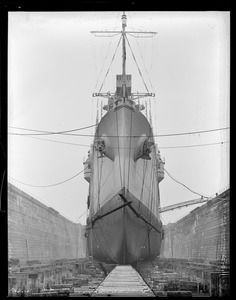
column 55, row 64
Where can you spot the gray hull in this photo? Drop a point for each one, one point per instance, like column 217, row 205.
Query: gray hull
column 122, row 236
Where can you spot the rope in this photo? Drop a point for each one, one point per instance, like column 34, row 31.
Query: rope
column 144, row 64
column 110, row 64
column 103, row 64
column 151, row 192
column 104, row 182
column 97, row 160
column 98, row 240
column 44, row 186
column 134, row 136
column 151, row 186
column 43, row 132
column 142, row 179
column 150, row 112
column 106, row 243
column 144, row 174
column 81, row 216
column 184, row 185
column 98, row 205
column 152, row 57
column 130, row 146
column 136, row 64
column 107, row 51
column 137, row 249
column 118, row 149
column 92, row 241
column 171, row 147
column 99, row 187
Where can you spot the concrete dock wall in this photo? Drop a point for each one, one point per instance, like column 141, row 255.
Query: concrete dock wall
column 38, row 232
column 202, row 235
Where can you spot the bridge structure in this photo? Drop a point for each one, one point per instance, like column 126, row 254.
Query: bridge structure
column 183, row 204
column 192, row 202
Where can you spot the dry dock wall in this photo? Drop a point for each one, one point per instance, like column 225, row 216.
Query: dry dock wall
column 38, row 232
column 202, row 235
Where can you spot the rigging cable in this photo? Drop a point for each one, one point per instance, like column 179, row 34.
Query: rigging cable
column 108, row 247
column 151, row 199
column 152, row 192
column 59, row 142
column 150, row 112
column 157, row 191
column 99, row 183
column 144, row 172
column 110, row 64
column 152, row 169
column 198, row 145
column 42, row 132
column 118, row 149
column 144, row 65
column 97, row 177
column 98, row 192
column 106, row 54
column 104, row 182
column 98, row 241
column 81, row 216
column 92, row 241
column 44, row 186
column 144, row 242
column 143, row 180
column 136, row 64
column 142, row 55
column 131, row 119
column 168, row 147
column 96, row 72
column 183, row 184
column 127, row 136
column 103, row 65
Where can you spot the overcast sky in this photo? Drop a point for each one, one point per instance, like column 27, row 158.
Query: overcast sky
column 54, row 66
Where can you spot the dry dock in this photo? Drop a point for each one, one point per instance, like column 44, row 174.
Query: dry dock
column 47, row 250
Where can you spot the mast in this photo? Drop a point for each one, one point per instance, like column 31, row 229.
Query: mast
column 123, row 82
column 124, row 19
column 123, row 42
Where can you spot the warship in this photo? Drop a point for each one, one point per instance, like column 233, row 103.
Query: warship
column 124, row 169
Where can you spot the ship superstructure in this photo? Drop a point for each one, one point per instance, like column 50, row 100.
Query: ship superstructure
column 124, row 169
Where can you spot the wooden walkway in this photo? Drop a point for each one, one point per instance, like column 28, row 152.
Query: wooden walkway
column 123, row 281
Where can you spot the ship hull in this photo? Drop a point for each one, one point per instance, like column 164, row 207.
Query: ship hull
column 122, row 237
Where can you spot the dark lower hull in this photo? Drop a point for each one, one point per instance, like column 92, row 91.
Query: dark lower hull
column 122, row 237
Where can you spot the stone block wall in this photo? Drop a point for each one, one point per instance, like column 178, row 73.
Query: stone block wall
column 202, row 235
column 38, row 232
